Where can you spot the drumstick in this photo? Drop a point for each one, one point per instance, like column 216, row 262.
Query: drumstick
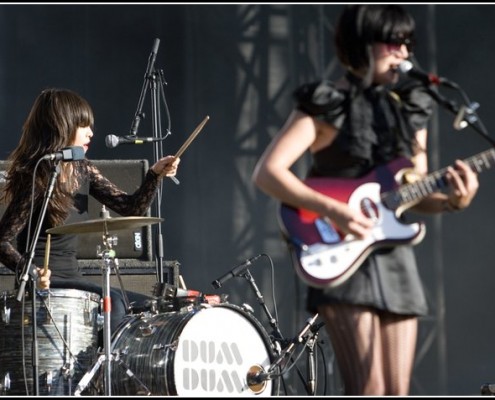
column 47, row 252
column 192, row 137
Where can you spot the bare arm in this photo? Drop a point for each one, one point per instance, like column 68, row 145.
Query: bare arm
column 273, row 175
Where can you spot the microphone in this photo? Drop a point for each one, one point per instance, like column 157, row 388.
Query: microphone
column 312, row 371
column 406, row 67
column 256, row 378
column 72, row 153
column 112, row 141
column 236, row 271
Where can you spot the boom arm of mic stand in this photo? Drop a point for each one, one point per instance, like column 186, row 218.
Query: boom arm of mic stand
column 455, row 109
column 149, row 70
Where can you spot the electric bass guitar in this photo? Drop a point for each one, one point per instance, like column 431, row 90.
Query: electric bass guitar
column 325, row 256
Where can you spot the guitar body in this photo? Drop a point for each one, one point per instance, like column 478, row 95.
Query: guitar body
column 327, row 258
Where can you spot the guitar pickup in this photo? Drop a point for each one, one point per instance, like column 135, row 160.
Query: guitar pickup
column 327, row 232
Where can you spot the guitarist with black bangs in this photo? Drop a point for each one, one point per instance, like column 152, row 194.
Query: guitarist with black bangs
column 367, row 135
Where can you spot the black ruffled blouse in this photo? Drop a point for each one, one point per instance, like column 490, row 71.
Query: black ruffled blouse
column 375, row 125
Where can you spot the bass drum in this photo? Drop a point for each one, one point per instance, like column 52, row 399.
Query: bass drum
column 206, row 351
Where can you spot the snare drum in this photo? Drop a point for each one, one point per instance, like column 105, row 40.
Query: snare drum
column 67, row 332
column 204, row 351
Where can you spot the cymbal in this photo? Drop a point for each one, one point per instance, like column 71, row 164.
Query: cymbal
column 104, row 224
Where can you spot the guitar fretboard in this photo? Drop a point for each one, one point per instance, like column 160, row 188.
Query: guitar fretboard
column 415, row 191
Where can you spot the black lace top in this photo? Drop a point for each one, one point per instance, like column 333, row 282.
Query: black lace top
column 63, row 248
column 375, row 126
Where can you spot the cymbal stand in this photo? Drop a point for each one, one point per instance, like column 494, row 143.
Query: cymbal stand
column 109, row 258
column 108, row 255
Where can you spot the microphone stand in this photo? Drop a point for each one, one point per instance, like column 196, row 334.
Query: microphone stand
column 153, row 78
column 28, row 272
column 273, row 322
column 158, row 153
column 465, row 115
column 255, row 376
column 149, row 69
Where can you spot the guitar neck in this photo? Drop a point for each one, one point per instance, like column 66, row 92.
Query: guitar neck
column 411, row 193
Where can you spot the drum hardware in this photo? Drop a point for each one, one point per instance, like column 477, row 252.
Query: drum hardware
column 5, row 311
column 83, row 383
column 108, row 256
column 170, row 298
column 203, row 352
column 256, row 375
column 67, row 342
column 311, row 364
column 6, row 383
column 242, row 270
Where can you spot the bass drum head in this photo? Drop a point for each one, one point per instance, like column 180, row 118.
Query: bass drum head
column 203, row 352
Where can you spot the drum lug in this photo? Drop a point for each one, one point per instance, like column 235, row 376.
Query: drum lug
column 6, row 315
column 100, row 319
column 88, row 317
column 6, row 383
column 147, row 330
column 246, row 307
column 44, row 314
column 67, row 370
column 49, row 379
column 6, row 310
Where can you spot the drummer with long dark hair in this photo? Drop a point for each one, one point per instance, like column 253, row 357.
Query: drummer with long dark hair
column 61, row 119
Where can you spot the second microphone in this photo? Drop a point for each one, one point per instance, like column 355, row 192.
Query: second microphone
column 112, row 141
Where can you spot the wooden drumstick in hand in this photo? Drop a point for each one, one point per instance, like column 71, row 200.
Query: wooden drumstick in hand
column 43, row 281
column 192, row 136
column 189, row 140
column 47, row 253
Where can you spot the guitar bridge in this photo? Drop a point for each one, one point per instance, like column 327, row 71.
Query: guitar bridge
column 327, row 232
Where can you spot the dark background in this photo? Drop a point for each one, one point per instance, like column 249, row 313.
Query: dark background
column 238, row 64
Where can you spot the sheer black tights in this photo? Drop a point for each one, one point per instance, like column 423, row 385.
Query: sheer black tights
column 374, row 349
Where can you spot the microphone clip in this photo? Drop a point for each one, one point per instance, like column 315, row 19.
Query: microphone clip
column 466, row 116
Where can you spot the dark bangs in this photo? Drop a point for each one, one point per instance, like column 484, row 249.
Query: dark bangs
column 391, row 25
column 80, row 111
column 361, row 25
